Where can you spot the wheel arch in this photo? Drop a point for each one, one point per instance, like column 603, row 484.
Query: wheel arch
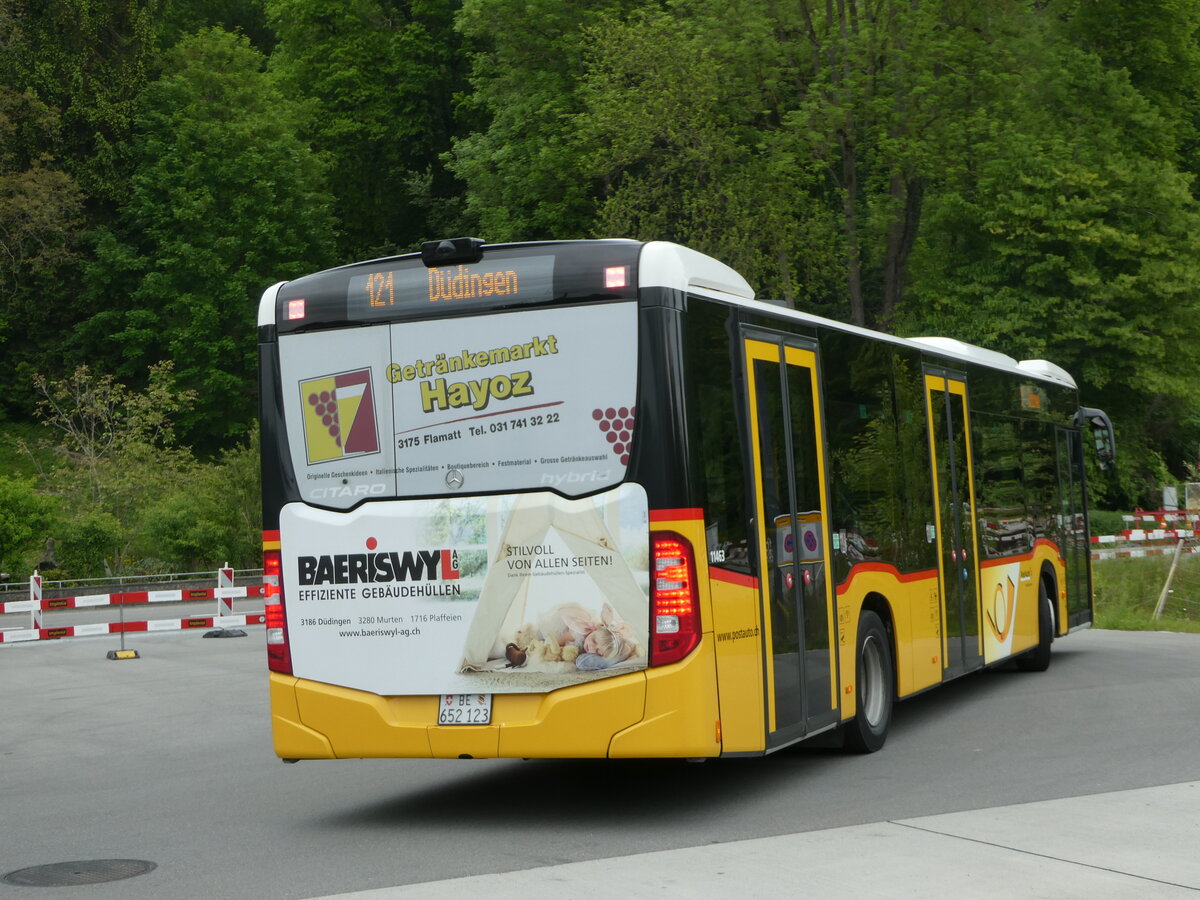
column 867, row 729
column 882, row 607
column 1049, row 577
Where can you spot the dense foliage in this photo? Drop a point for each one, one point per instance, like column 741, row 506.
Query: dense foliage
column 1015, row 174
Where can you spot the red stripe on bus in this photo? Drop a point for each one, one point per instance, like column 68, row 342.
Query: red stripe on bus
column 669, row 515
column 271, row 535
column 887, row 569
column 736, row 578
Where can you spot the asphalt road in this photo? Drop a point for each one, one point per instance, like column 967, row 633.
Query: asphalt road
column 168, row 759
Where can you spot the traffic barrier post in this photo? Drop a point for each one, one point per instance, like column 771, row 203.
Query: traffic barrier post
column 225, row 593
column 35, row 600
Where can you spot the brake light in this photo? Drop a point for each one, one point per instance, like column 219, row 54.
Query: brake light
column 279, row 654
column 674, row 605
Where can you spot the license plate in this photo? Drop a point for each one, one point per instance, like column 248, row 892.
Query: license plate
column 465, row 709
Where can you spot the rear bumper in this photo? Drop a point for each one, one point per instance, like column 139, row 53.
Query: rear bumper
column 660, row 712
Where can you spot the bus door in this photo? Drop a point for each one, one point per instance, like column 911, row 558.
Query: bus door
column 799, row 634
column 954, row 521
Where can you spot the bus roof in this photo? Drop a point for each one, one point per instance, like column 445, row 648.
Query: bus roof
column 673, row 266
column 948, row 348
column 663, row 264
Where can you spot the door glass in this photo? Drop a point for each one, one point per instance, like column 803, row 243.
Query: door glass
column 779, row 579
column 791, row 504
column 965, row 527
column 809, row 531
column 946, row 531
column 1074, row 537
column 948, row 430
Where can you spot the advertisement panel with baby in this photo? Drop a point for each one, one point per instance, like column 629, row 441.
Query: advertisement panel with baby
column 501, row 594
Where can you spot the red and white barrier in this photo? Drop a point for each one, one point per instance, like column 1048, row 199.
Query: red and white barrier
column 224, row 593
column 1162, row 516
column 16, row 635
column 1154, row 533
column 1154, row 543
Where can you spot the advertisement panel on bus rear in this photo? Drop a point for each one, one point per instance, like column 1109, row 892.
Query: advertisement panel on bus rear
column 500, row 594
column 512, row 401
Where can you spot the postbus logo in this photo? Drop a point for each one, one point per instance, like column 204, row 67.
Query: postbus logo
column 339, row 416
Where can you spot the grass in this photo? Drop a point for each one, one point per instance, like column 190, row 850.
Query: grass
column 1127, row 590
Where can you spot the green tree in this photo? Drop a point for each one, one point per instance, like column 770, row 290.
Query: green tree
column 40, row 221
column 379, row 75
column 883, row 92
column 25, row 518
column 681, row 127
column 524, row 175
column 129, row 498
column 212, row 516
column 1157, row 42
column 117, row 455
column 97, row 417
column 1074, row 238
column 178, row 18
column 799, row 146
column 90, row 60
column 226, row 200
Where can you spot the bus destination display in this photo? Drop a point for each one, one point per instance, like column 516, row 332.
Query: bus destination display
column 385, row 291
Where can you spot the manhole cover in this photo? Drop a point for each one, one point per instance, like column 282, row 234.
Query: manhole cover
column 83, row 871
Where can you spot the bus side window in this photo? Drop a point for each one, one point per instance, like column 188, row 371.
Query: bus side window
column 715, row 438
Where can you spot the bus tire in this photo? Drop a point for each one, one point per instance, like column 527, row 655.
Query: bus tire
column 875, row 684
column 1038, row 659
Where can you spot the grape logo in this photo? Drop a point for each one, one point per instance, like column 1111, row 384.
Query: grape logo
column 339, row 416
column 617, row 427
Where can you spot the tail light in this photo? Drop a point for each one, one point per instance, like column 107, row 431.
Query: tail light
column 279, row 654
column 674, row 605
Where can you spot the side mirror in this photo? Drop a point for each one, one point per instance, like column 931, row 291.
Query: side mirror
column 1103, row 436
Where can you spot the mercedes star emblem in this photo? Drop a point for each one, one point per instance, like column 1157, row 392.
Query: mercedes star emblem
column 454, row 479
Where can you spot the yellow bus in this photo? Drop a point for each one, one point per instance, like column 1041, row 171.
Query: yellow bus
column 595, row 499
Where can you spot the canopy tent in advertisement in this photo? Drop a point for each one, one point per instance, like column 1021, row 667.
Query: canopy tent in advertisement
column 503, row 598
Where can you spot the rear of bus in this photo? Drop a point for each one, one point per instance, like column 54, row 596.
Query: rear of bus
column 475, row 539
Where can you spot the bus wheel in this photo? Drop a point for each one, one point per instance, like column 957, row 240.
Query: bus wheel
column 1038, row 659
column 867, row 731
